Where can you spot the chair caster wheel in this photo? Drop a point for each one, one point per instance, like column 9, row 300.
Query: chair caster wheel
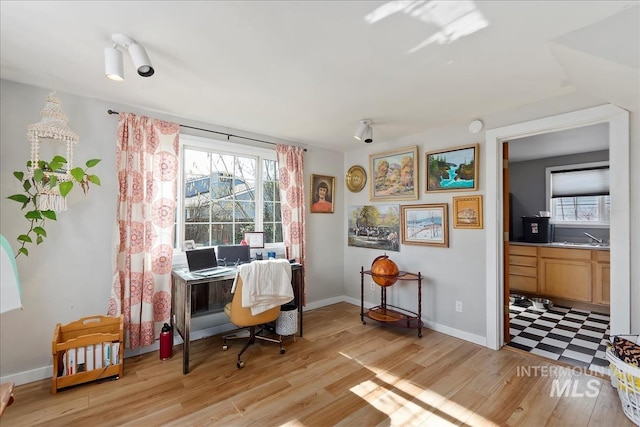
column 283, row 351
column 225, row 347
column 240, row 364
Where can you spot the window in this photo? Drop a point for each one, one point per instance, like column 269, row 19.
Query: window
column 227, row 190
column 579, row 194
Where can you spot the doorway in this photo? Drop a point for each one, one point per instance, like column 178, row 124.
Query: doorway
column 618, row 121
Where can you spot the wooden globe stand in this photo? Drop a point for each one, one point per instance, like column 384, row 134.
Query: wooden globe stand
column 388, row 314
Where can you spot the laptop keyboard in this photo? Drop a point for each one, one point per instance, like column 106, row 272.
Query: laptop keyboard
column 212, row 271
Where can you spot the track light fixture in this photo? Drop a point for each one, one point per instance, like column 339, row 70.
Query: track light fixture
column 363, row 127
column 113, row 68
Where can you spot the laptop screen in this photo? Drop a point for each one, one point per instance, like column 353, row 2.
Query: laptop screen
column 201, row 259
column 235, row 253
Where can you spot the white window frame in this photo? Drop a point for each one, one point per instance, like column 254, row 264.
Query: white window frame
column 572, row 224
column 232, row 149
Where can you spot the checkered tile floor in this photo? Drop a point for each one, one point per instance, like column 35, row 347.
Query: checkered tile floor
column 575, row 337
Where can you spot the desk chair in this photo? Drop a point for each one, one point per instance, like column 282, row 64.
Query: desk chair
column 242, row 317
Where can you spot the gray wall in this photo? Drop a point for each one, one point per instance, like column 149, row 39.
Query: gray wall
column 69, row 276
column 527, row 187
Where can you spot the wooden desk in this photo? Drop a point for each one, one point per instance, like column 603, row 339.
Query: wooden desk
column 184, row 286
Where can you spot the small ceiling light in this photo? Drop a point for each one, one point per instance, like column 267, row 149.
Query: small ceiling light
column 368, row 135
column 113, row 64
column 476, row 126
column 364, row 125
column 113, row 58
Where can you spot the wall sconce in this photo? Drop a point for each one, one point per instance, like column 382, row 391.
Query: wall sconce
column 113, row 68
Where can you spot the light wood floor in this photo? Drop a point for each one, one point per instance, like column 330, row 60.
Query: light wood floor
column 341, row 373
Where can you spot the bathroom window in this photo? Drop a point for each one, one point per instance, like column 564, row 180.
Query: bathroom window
column 578, row 195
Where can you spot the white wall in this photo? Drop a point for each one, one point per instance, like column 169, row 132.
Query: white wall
column 69, row 276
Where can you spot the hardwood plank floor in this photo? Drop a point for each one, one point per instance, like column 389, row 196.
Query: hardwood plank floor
column 341, row 373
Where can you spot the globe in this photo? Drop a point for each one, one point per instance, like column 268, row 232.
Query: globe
column 384, row 271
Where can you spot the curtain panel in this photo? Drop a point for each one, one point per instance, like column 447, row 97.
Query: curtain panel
column 291, row 174
column 147, row 168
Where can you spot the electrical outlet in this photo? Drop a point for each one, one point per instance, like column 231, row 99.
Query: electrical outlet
column 459, row 306
column 372, row 286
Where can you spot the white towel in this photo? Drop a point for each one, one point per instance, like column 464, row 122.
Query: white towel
column 266, row 284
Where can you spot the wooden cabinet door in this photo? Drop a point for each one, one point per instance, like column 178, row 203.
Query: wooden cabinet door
column 602, row 284
column 567, row 279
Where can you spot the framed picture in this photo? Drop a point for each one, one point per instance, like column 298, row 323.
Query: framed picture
column 322, row 192
column 255, row 239
column 394, row 175
column 188, row 245
column 467, row 212
column 425, row 224
column 374, row 227
column 454, row 169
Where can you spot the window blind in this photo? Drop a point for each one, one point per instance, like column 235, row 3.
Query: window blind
column 580, row 182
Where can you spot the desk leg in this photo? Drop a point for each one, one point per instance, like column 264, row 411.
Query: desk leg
column 187, row 330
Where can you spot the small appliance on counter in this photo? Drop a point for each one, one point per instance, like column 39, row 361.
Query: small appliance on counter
column 537, row 229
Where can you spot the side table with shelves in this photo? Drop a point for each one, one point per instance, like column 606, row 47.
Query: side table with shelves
column 389, row 314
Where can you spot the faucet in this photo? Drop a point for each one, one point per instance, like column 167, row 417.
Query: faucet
column 593, row 238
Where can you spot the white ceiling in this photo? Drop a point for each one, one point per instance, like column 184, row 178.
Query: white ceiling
column 308, row 71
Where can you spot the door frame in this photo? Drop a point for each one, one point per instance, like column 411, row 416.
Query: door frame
column 618, row 120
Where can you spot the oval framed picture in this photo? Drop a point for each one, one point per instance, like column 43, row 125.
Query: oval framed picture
column 356, row 178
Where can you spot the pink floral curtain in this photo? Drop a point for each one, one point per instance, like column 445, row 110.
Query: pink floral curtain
column 147, row 165
column 291, row 173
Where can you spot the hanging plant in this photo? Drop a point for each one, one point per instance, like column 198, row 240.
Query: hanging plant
column 41, row 185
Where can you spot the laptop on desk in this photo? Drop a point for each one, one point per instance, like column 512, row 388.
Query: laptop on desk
column 203, row 262
column 235, row 254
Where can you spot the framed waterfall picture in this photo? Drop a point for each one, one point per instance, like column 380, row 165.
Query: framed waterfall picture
column 454, row 169
column 394, row 175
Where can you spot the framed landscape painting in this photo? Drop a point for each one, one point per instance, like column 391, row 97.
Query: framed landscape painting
column 394, row 175
column 454, row 169
column 425, row 225
column 374, row 227
column 467, row 212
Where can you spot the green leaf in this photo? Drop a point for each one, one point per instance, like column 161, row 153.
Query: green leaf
column 25, row 238
column 24, row 251
column 49, row 214
column 33, row 215
column 27, row 185
column 20, row 198
column 54, row 181
column 91, row 163
column 19, row 175
column 65, row 187
column 94, row 179
column 38, row 175
column 77, row 173
column 58, row 159
column 39, row 240
column 40, row 231
column 54, row 165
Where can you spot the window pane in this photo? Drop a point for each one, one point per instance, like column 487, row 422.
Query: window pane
column 584, row 209
column 199, row 233
column 245, row 212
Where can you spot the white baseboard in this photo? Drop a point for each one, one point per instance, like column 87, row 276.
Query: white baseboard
column 47, row 371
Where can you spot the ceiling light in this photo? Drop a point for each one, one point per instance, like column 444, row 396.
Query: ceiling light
column 113, row 58
column 362, row 129
column 113, row 64
column 368, row 135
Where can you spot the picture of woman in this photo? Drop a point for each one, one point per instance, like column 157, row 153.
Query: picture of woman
column 322, row 194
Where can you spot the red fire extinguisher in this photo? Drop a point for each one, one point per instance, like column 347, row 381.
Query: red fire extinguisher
column 166, row 342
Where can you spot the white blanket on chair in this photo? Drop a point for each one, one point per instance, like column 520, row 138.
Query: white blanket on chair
column 266, row 284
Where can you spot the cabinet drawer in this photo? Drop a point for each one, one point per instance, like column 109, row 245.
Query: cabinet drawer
column 562, row 253
column 523, row 284
column 601, row 256
column 520, row 270
column 522, row 250
column 530, row 261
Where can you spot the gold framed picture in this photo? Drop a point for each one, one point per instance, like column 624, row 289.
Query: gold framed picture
column 426, row 225
column 322, row 191
column 452, row 169
column 394, row 175
column 467, row 212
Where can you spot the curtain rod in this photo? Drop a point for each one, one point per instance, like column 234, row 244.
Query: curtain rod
column 228, row 135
